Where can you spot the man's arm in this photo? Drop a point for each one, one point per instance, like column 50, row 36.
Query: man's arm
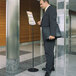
column 52, row 17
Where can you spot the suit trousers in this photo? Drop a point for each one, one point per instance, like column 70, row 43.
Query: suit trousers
column 49, row 54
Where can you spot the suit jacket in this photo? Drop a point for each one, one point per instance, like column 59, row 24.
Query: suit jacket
column 49, row 23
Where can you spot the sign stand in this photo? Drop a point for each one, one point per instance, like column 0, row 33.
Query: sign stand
column 32, row 23
column 33, row 69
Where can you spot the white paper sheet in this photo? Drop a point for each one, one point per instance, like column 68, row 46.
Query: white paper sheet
column 31, row 18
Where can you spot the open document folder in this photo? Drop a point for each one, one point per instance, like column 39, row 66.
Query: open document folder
column 31, row 18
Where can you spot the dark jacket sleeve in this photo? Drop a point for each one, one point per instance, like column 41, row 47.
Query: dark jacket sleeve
column 53, row 21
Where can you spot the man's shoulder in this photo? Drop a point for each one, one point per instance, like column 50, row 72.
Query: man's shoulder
column 52, row 7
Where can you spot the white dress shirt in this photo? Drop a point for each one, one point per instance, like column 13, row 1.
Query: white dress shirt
column 46, row 8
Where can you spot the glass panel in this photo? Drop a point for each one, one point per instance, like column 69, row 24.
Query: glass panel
column 66, row 26
column 63, row 42
column 60, row 20
column 60, row 5
column 63, row 21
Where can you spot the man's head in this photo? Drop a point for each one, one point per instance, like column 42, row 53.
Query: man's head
column 44, row 3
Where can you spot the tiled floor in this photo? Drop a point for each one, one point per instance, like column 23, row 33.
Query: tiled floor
column 65, row 65
column 23, row 57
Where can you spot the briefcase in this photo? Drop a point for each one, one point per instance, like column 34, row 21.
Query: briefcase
column 47, row 33
column 58, row 32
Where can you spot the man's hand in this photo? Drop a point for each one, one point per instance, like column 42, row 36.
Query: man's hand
column 51, row 37
column 39, row 22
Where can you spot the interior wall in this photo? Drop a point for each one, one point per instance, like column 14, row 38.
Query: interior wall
column 73, row 22
column 25, row 28
column 2, row 22
column 72, row 31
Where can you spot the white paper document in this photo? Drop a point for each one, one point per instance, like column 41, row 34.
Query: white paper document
column 31, row 18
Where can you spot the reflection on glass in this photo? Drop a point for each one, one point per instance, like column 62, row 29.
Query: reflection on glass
column 60, row 5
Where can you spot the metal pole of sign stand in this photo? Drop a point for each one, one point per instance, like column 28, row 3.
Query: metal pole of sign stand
column 33, row 69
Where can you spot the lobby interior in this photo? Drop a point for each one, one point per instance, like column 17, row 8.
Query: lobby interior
column 20, row 42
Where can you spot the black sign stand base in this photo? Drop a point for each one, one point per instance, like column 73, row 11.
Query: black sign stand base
column 33, row 69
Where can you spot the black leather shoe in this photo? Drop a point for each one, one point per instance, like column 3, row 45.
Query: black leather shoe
column 47, row 74
column 53, row 69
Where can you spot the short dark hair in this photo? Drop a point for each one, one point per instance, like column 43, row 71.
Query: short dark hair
column 46, row 1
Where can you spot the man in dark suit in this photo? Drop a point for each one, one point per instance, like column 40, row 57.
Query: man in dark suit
column 49, row 26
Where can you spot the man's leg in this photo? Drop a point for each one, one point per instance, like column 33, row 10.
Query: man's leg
column 49, row 53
